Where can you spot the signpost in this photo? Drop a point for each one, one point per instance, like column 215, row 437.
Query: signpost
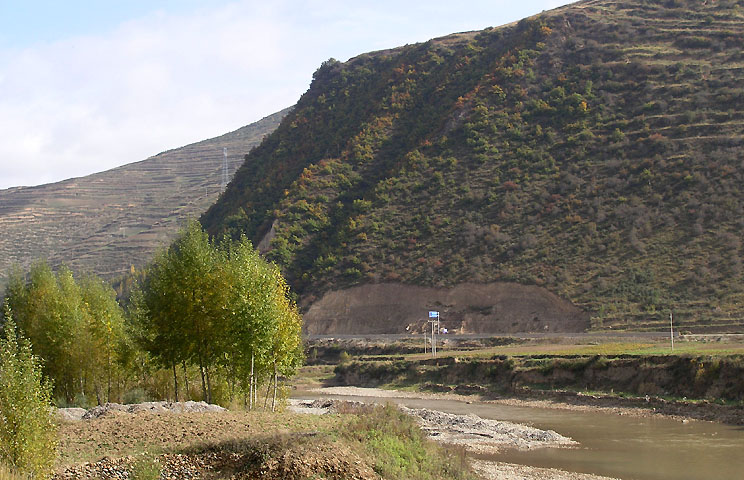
column 434, row 320
column 671, row 329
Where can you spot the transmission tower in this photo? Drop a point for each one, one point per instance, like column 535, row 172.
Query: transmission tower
column 225, row 178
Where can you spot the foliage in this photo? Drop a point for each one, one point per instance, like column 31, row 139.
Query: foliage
column 400, row 448
column 76, row 327
column 574, row 150
column 28, row 435
column 220, row 307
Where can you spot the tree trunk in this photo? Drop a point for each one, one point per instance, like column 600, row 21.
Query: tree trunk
column 250, row 394
column 266, row 398
column 175, row 381
column 209, row 387
column 276, row 378
column 204, row 382
column 185, row 379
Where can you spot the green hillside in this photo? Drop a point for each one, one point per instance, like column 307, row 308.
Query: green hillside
column 594, row 150
column 106, row 222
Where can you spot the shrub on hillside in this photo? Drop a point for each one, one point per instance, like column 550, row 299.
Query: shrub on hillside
column 28, row 436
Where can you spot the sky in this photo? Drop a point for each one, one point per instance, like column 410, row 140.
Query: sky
column 86, row 86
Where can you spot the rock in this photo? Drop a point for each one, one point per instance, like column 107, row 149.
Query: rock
column 71, row 414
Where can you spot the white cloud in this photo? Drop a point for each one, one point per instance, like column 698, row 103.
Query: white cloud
column 91, row 102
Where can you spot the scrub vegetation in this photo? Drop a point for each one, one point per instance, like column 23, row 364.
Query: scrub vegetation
column 593, row 150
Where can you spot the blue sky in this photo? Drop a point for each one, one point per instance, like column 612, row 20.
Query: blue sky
column 87, row 86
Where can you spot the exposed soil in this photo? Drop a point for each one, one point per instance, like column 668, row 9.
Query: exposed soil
column 121, row 434
column 466, row 308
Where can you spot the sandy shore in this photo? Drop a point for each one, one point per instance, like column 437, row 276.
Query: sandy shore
column 654, row 407
column 478, row 435
column 510, row 471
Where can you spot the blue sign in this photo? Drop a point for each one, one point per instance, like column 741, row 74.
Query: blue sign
column 433, row 314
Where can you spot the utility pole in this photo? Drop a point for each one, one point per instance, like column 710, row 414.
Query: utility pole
column 671, row 329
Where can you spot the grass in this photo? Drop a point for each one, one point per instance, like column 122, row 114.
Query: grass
column 6, row 473
column 400, row 449
column 539, row 347
column 146, row 467
column 362, row 442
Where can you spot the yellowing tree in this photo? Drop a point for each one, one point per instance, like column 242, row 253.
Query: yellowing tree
column 220, row 306
column 28, row 435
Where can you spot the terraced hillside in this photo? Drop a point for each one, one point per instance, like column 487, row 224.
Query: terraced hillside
column 594, row 151
column 109, row 221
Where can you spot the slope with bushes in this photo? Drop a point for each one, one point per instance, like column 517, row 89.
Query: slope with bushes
column 107, row 222
column 593, row 150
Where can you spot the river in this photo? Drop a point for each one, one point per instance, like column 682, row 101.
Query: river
column 625, row 447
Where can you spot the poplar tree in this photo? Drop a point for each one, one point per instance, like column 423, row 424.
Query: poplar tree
column 28, row 434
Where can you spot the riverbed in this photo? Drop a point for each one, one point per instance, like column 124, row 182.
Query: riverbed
column 621, row 446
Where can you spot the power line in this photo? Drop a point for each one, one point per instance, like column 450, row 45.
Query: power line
column 225, row 176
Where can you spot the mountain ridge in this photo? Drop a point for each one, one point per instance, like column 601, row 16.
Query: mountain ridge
column 592, row 150
column 109, row 221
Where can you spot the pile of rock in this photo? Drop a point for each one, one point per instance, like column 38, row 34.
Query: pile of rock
column 73, row 414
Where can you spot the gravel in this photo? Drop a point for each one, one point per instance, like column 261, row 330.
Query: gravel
column 483, row 435
column 75, row 414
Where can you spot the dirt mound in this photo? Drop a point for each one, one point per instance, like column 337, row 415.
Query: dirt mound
column 108, row 409
column 465, row 308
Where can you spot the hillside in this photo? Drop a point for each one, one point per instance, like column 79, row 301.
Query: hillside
column 109, row 221
column 594, row 151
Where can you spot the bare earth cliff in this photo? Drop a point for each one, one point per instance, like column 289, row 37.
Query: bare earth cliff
column 466, row 308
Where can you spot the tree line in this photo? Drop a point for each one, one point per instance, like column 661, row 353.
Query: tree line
column 206, row 312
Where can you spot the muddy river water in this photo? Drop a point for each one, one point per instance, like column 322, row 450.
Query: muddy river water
column 625, row 447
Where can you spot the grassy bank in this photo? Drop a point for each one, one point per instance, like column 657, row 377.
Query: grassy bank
column 363, row 444
column 718, row 378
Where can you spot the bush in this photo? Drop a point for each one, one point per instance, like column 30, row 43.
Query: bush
column 28, row 435
column 146, row 468
column 135, row 395
column 400, row 448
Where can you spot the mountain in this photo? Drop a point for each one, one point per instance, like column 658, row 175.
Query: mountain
column 106, row 222
column 593, row 152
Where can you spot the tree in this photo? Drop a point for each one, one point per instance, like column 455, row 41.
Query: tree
column 28, row 435
column 265, row 324
column 220, row 306
column 76, row 328
column 180, row 297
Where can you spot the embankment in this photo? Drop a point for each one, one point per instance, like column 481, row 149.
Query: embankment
column 497, row 307
column 694, row 381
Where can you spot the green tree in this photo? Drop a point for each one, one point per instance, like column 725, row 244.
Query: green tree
column 180, row 296
column 220, row 306
column 28, row 435
column 265, row 324
column 76, row 328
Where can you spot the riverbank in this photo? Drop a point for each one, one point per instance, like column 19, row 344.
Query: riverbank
column 563, row 400
column 701, row 388
column 192, row 440
column 479, row 436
